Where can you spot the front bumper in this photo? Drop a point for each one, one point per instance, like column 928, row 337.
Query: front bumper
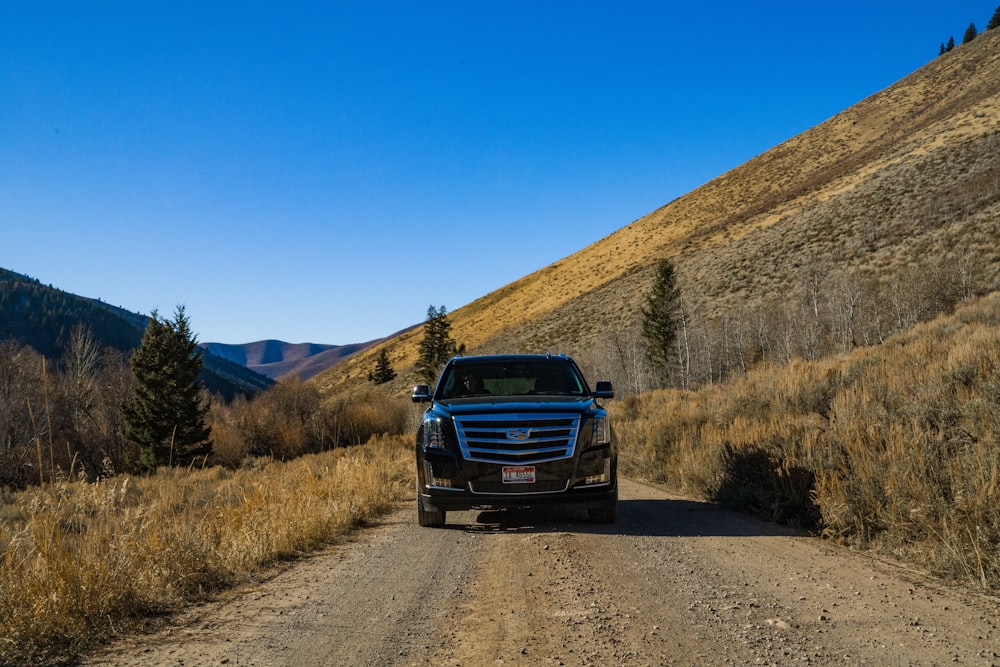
column 448, row 483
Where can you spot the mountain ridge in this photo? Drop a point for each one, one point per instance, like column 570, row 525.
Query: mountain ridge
column 43, row 318
column 122, row 329
column 871, row 197
column 278, row 359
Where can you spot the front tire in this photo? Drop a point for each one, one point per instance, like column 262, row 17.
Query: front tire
column 429, row 518
column 606, row 513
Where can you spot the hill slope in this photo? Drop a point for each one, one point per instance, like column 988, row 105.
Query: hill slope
column 44, row 317
column 893, row 205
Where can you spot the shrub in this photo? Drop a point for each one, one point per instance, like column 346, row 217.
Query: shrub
column 894, row 447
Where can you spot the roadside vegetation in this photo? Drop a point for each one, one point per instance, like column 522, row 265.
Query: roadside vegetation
column 128, row 492
column 893, row 447
column 83, row 561
column 67, row 418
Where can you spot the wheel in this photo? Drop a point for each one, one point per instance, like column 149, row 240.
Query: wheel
column 428, row 518
column 606, row 513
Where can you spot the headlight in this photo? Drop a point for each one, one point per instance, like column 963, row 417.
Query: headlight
column 433, row 433
column 602, row 430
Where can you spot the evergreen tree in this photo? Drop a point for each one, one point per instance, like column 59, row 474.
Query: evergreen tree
column 165, row 412
column 970, row 33
column 995, row 21
column 437, row 345
column 383, row 369
column 660, row 317
column 951, row 44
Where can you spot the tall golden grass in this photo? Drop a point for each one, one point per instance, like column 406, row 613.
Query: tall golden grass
column 81, row 562
column 894, row 448
column 290, row 420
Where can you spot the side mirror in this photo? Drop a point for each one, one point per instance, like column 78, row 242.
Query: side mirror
column 421, row 393
column 604, row 390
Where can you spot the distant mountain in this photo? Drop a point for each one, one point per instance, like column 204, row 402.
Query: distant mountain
column 277, row 359
column 43, row 317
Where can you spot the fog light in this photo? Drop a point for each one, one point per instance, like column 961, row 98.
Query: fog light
column 603, row 478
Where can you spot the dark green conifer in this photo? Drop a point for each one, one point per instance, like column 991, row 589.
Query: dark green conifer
column 970, row 33
column 383, row 369
column 165, row 412
column 660, row 319
column 995, row 21
column 437, row 345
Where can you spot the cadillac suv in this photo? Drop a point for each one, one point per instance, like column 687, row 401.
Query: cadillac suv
column 514, row 430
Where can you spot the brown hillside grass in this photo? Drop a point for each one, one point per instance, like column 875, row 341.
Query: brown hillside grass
column 81, row 562
column 907, row 175
column 894, row 447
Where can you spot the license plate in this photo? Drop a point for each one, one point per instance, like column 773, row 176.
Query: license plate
column 519, row 474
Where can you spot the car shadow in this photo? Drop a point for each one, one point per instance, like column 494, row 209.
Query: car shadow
column 651, row 518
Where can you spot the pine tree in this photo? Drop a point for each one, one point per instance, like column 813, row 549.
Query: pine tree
column 951, row 44
column 383, row 369
column 165, row 413
column 437, row 345
column 660, row 317
column 995, row 21
column 970, row 33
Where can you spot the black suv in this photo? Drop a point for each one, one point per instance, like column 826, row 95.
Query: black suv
column 514, row 430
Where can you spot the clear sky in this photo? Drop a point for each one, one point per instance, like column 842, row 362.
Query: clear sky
column 325, row 171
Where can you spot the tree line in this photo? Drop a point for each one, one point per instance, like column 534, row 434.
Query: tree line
column 675, row 343
column 98, row 411
column 828, row 311
column 970, row 33
column 47, row 317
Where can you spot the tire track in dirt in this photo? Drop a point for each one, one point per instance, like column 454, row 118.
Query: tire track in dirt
column 686, row 583
column 674, row 582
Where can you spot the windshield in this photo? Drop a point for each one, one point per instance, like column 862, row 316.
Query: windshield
column 541, row 377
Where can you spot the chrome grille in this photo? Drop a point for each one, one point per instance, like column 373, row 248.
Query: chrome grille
column 517, row 438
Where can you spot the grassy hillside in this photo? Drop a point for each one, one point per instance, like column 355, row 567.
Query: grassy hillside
column 893, row 447
column 881, row 216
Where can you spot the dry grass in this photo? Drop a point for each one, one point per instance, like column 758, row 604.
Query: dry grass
column 894, row 447
column 81, row 562
column 289, row 420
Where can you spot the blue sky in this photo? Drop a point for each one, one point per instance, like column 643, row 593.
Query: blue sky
column 325, row 171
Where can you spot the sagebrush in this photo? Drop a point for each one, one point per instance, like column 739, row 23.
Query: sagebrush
column 894, row 447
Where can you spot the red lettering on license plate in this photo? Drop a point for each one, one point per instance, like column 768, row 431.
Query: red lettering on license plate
column 519, row 474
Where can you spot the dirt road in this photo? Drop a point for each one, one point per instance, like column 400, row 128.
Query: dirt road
column 673, row 582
